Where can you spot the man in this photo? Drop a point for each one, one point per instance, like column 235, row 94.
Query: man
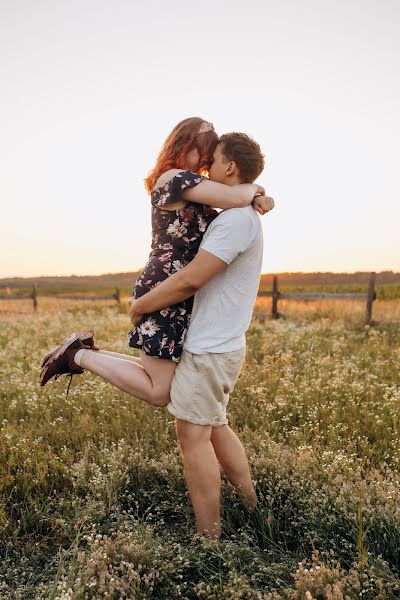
column 224, row 276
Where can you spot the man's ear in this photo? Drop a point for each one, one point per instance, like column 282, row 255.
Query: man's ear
column 232, row 167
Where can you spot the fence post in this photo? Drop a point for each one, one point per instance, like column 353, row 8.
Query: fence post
column 117, row 295
column 371, row 297
column 34, row 297
column 275, row 296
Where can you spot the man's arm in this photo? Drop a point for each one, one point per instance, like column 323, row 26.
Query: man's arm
column 179, row 286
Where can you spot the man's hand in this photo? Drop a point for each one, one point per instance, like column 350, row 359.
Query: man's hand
column 135, row 317
column 263, row 204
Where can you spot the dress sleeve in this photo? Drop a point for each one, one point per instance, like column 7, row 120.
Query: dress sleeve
column 171, row 192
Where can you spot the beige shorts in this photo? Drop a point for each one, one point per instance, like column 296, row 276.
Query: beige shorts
column 202, row 384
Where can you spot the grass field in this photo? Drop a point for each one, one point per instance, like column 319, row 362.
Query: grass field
column 93, row 502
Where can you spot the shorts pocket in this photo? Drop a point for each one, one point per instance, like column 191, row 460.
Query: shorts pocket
column 197, row 362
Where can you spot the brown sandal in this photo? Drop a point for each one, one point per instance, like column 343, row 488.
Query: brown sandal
column 61, row 360
column 87, row 338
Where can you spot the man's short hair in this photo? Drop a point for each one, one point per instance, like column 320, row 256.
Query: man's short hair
column 246, row 153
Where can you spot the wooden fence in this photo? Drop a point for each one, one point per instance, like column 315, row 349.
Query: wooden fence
column 275, row 294
column 34, row 296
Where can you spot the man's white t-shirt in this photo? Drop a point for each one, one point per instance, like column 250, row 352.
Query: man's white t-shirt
column 223, row 308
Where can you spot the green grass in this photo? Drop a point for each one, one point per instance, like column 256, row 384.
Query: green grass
column 93, row 502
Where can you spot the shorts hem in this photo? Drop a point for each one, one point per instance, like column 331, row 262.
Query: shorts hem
column 194, row 420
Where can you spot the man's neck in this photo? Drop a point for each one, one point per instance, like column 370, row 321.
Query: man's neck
column 233, row 180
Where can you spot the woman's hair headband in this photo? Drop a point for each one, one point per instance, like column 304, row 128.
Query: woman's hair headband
column 205, row 127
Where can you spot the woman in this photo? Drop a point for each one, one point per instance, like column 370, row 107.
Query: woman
column 182, row 208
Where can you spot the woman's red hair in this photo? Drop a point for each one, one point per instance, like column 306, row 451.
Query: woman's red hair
column 183, row 138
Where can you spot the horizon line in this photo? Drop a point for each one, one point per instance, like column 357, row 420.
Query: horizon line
column 139, row 270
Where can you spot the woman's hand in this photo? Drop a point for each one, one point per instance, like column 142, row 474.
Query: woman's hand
column 260, row 190
column 263, row 204
column 135, row 317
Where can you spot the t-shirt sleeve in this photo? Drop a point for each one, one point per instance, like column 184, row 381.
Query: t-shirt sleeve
column 229, row 235
column 171, row 192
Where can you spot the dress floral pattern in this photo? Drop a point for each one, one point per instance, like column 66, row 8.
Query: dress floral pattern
column 176, row 237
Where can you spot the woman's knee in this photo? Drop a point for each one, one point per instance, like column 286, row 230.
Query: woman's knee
column 160, row 398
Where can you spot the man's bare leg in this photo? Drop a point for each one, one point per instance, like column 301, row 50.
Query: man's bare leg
column 232, row 457
column 202, row 475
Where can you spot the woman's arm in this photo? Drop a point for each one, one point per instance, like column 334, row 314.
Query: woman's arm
column 212, row 193
column 219, row 195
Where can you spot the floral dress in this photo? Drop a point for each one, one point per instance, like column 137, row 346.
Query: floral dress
column 176, row 237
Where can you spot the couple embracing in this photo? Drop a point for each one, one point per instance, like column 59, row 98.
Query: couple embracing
column 204, row 268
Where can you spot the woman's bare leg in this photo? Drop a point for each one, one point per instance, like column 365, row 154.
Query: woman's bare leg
column 135, row 359
column 150, row 381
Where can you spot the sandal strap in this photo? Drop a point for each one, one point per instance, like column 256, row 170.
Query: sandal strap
column 70, row 375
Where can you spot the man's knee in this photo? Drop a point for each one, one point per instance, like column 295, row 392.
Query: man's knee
column 191, row 433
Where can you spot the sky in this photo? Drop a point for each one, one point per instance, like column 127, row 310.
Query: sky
column 91, row 88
